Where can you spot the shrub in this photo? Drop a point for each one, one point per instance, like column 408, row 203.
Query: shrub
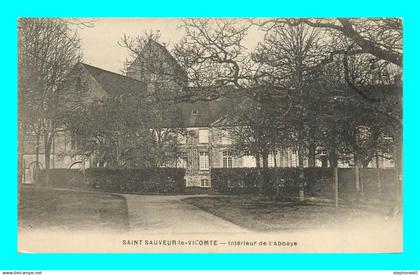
column 386, row 178
column 318, row 182
column 144, row 180
column 247, row 180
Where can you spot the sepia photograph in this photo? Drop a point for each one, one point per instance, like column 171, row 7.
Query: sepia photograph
column 210, row 135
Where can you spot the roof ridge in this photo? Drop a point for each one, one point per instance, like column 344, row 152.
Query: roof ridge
column 112, row 83
column 121, row 75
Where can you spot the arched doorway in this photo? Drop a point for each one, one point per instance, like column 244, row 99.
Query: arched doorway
column 78, row 164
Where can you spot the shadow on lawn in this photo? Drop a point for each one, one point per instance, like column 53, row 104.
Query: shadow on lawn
column 266, row 214
column 43, row 208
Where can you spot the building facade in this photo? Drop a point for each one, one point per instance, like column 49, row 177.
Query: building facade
column 203, row 146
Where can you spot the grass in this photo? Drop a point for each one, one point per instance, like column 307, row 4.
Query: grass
column 265, row 214
column 41, row 208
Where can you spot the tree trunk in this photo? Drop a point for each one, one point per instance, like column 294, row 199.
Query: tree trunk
column 38, row 142
column 37, row 165
column 277, row 174
column 21, row 168
column 311, row 155
column 357, row 178
column 365, row 163
column 275, row 158
column 259, row 173
column 355, row 158
column 258, row 161
column 48, row 139
column 265, row 174
column 301, row 178
column 398, row 167
column 300, row 157
column 336, row 186
column 332, row 156
column 47, row 167
column 47, row 152
column 264, row 156
column 324, row 161
column 377, row 160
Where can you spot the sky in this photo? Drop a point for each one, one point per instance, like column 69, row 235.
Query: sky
column 100, row 42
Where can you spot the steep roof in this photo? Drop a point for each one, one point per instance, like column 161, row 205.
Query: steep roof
column 168, row 55
column 198, row 112
column 154, row 46
column 204, row 113
column 115, row 84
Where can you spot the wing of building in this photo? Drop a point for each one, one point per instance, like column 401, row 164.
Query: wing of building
column 205, row 143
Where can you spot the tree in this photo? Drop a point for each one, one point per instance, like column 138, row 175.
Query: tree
column 125, row 130
column 380, row 37
column 212, row 50
column 376, row 40
column 288, row 56
column 151, row 63
column 136, row 129
column 48, row 48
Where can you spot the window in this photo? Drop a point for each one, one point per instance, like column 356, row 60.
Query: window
column 182, row 160
column 205, row 183
column 226, row 140
column 270, row 160
column 204, row 161
column 387, row 136
column 203, row 136
column 227, row 159
column 75, row 141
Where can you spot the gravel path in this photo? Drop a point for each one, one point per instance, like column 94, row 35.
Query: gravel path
column 169, row 214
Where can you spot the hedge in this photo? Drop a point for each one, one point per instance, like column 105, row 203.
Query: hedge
column 387, row 178
column 144, row 180
column 281, row 181
column 246, row 180
column 318, row 182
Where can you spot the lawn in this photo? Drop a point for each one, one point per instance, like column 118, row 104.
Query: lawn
column 41, row 208
column 265, row 214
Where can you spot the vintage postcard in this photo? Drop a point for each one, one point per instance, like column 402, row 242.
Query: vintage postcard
column 210, row 135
